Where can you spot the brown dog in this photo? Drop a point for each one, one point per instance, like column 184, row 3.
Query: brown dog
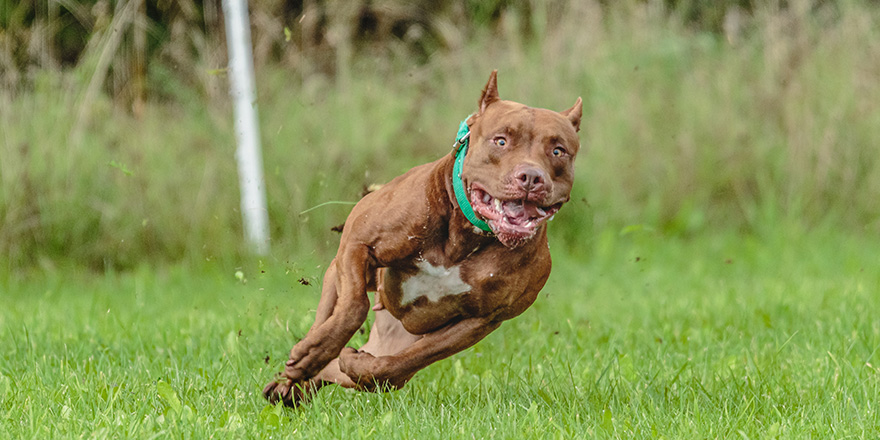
column 443, row 281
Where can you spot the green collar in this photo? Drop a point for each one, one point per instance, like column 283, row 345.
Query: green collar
column 460, row 149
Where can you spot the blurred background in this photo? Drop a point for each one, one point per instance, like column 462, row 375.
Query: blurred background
column 117, row 149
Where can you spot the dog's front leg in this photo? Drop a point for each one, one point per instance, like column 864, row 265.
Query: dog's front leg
column 341, row 311
column 370, row 372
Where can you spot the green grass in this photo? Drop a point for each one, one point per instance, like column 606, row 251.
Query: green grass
column 642, row 336
column 683, row 130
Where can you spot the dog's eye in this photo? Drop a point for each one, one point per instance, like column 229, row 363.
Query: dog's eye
column 500, row 141
column 559, row 151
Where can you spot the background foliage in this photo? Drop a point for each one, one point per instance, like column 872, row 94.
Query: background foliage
column 116, row 145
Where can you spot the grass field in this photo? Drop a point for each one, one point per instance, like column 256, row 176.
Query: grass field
column 643, row 336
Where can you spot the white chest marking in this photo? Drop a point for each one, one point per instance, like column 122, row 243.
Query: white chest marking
column 433, row 282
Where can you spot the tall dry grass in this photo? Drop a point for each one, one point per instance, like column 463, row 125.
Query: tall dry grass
column 772, row 122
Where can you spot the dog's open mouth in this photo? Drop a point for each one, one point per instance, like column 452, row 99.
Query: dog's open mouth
column 512, row 221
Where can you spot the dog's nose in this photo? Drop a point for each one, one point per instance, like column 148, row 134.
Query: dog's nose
column 531, row 179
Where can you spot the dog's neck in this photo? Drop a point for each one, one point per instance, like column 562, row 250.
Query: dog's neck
column 463, row 237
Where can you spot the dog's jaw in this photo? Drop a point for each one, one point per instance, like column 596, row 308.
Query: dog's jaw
column 513, row 221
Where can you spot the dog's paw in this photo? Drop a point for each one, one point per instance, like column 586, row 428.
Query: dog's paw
column 369, row 372
column 290, row 393
column 358, row 365
column 278, row 390
column 293, row 372
column 354, row 359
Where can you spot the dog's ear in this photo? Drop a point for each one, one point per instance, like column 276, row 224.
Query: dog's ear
column 490, row 92
column 574, row 114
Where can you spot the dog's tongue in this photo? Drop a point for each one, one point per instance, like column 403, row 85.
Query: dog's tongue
column 519, row 211
column 532, row 210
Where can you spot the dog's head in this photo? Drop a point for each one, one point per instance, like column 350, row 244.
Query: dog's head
column 519, row 168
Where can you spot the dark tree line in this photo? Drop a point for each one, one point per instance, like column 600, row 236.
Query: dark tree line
column 158, row 39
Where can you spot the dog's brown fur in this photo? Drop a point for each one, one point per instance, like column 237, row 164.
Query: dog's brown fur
column 442, row 285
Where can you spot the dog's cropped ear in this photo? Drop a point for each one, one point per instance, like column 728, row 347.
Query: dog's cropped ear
column 574, row 114
column 490, row 92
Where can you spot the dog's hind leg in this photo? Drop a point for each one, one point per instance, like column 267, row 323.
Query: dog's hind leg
column 387, row 336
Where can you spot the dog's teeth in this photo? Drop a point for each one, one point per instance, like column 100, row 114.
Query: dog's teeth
column 498, row 205
column 541, row 212
column 529, row 224
column 487, row 198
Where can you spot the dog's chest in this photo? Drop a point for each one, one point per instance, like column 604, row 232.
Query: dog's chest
column 430, row 282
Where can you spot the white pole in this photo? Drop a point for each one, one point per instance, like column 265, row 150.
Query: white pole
column 243, row 93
